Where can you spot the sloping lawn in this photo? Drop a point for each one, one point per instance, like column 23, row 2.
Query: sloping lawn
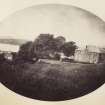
column 52, row 82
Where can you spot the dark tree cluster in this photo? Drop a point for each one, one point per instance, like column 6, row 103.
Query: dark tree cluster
column 46, row 46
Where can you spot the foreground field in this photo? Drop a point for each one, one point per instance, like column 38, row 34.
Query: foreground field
column 52, row 81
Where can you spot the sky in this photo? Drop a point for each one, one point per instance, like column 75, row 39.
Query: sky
column 73, row 23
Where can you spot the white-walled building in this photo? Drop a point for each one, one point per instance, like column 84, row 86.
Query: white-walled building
column 91, row 54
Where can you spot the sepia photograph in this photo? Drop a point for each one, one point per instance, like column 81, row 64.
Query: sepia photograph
column 52, row 52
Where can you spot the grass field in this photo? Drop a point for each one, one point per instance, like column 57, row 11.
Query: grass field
column 52, row 80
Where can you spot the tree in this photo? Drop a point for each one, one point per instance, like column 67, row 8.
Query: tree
column 2, row 58
column 25, row 51
column 44, row 45
column 69, row 48
column 59, row 41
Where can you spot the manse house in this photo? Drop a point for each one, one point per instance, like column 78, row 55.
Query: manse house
column 90, row 54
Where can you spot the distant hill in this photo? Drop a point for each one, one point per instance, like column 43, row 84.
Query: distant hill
column 13, row 41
